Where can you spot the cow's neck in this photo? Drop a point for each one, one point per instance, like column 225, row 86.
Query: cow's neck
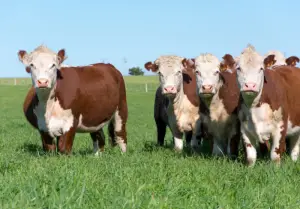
column 258, row 97
column 44, row 95
column 216, row 98
column 177, row 100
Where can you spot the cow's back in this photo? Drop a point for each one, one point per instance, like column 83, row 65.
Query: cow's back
column 98, row 84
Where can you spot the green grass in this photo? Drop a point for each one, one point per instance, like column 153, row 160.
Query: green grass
column 144, row 177
column 128, row 79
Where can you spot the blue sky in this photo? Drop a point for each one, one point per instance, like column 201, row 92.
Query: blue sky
column 140, row 31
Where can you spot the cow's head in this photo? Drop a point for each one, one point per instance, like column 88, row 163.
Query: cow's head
column 292, row 61
column 250, row 74
column 43, row 64
column 169, row 69
column 207, row 69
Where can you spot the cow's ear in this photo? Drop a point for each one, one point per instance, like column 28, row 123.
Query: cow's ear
column 23, row 57
column 188, row 64
column 151, row 67
column 292, row 61
column 61, row 55
column 269, row 61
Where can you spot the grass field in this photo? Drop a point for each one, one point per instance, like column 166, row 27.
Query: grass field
column 144, row 177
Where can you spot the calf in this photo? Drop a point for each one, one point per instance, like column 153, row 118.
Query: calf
column 66, row 100
column 269, row 105
column 219, row 94
column 182, row 102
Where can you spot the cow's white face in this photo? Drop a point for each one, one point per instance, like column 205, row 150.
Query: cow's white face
column 207, row 69
column 170, row 74
column 43, row 66
column 250, row 74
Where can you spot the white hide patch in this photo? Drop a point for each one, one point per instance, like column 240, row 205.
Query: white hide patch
column 220, row 124
column 52, row 117
column 178, row 144
column 291, row 130
column 81, row 128
column 183, row 113
column 118, row 122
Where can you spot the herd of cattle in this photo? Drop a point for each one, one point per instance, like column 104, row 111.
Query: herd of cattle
column 252, row 97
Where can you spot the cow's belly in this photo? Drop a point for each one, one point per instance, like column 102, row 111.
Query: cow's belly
column 83, row 128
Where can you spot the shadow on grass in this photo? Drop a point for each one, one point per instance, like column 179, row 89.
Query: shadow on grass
column 37, row 150
column 203, row 152
column 34, row 149
column 151, row 146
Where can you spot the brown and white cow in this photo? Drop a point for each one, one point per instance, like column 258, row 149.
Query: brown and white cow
column 66, row 100
column 219, row 94
column 183, row 102
column 269, row 107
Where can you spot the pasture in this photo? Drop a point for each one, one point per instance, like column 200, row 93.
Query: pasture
column 144, row 177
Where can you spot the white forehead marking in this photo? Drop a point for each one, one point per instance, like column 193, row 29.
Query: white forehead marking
column 279, row 57
column 42, row 53
column 41, row 50
column 169, row 62
column 207, row 61
column 250, row 59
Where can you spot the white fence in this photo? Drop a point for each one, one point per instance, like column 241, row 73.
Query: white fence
column 130, row 87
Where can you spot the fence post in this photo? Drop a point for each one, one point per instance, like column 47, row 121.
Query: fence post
column 15, row 81
column 146, row 87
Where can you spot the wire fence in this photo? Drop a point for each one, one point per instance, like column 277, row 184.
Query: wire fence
column 130, row 87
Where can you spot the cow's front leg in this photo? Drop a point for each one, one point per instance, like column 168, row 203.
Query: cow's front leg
column 178, row 139
column 66, row 141
column 278, row 145
column 48, row 142
column 197, row 135
column 219, row 147
column 251, row 154
column 294, row 147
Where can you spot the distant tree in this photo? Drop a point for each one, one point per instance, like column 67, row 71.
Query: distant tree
column 136, row 71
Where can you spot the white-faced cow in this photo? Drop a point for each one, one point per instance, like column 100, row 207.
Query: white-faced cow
column 219, row 94
column 269, row 106
column 66, row 100
column 182, row 105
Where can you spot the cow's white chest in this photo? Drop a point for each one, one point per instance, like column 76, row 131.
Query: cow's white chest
column 52, row 118
column 220, row 124
column 262, row 121
column 183, row 114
